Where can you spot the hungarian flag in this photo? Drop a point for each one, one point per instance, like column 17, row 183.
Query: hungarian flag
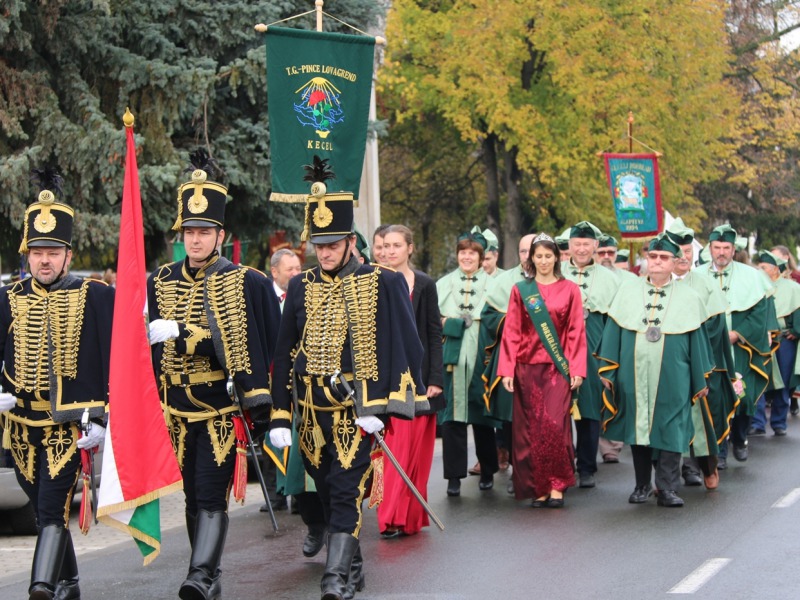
column 139, row 466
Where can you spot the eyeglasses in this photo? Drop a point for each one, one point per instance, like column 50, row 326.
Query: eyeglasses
column 606, row 252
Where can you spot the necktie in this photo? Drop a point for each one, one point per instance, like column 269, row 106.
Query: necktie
column 283, row 297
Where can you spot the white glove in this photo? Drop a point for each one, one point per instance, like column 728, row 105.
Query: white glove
column 7, row 402
column 369, row 424
column 162, row 330
column 97, row 433
column 281, row 437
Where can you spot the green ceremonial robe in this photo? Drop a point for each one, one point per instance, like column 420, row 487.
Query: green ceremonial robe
column 462, row 296
column 750, row 313
column 486, row 382
column 653, row 383
column 712, row 415
column 598, row 286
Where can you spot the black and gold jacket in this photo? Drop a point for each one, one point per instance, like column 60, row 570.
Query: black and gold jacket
column 56, row 345
column 228, row 318
column 359, row 322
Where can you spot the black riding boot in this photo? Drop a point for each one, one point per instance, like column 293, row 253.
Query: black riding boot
column 191, row 525
column 341, row 548
column 355, row 581
column 67, row 588
column 47, row 559
column 203, row 580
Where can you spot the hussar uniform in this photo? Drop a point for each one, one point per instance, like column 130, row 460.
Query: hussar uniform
column 357, row 321
column 226, row 318
column 55, row 342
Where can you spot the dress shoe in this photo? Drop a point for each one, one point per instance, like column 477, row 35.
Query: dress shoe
column 722, row 463
column 780, row 432
column 640, row 494
column 755, row 431
column 555, row 503
column 711, row 481
column 486, row 483
column 669, row 499
column 739, row 453
column 610, row 459
column 586, row 480
column 475, row 469
column 390, row 534
column 539, row 503
column 454, row 487
column 795, row 408
column 315, row 540
column 692, row 479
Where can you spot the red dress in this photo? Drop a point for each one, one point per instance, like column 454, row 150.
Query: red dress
column 543, row 455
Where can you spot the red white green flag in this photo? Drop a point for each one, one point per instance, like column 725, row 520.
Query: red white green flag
column 139, row 466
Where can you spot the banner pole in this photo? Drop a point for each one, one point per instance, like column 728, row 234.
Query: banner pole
column 630, row 132
column 319, row 4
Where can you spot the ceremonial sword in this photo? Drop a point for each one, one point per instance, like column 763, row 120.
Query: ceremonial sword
column 235, row 397
column 86, row 426
column 337, row 377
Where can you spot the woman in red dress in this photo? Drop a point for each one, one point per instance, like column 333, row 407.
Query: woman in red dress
column 412, row 441
column 542, row 450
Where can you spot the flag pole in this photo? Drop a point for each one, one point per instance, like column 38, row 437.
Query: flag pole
column 319, row 4
column 630, row 132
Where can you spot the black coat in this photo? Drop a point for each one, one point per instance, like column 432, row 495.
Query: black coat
column 425, row 302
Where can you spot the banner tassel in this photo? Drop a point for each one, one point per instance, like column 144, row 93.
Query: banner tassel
column 85, row 515
column 240, row 466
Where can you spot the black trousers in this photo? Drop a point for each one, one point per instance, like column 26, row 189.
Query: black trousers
column 53, row 462
column 206, row 483
column 668, row 467
column 454, row 449
column 341, row 489
column 310, row 508
column 587, row 439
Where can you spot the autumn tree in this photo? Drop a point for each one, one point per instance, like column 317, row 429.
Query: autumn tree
column 552, row 84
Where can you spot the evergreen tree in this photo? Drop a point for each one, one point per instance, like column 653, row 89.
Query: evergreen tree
column 192, row 72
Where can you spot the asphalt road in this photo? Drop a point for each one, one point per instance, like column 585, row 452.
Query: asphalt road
column 741, row 541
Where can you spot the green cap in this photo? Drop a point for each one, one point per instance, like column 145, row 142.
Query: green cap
column 622, row 256
column 607, row 241
column 765, row 256
column 584, row 229
column 723, row 233
column 704, row 256
column 491, row 240
column 740, row 243
column 680, row 233
column 362, row 246
column 475, row 235
column 562, row 241
column 663, row 243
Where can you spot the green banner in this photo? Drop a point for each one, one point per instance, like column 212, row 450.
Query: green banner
column 318, row 95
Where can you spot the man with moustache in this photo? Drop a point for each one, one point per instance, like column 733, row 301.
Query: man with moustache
column 55, row 340
column 210, row 321
column 749, row 316
column 356, row 320
column 598, row 287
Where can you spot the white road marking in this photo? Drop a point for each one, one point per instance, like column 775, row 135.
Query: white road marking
column 700, row 576
column 788, row 499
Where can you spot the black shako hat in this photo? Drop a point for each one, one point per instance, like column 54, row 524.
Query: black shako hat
column 329, row 217
column 47, row 222
column 201, row 203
